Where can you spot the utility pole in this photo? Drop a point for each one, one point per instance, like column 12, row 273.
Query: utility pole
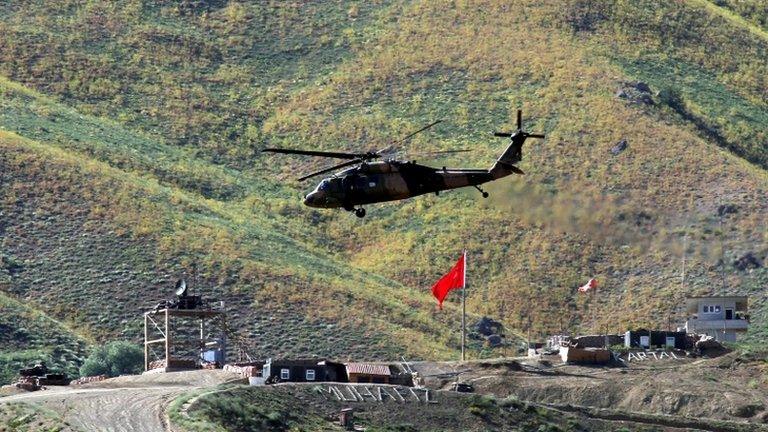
column 722, row 253
column 685, row 252
column 502, row 317
column 529, row 331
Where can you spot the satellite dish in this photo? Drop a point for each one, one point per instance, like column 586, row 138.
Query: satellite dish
column 181, row 288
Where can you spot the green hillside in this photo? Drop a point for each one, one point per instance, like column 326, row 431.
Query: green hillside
column 28, row 337
column 130, row 136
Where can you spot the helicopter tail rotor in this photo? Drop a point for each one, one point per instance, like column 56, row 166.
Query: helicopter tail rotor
column 519, row 133
column 505, row 165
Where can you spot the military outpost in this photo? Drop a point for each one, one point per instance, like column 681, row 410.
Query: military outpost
column 191, row 332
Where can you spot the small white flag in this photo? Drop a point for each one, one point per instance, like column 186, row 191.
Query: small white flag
column 592, row 284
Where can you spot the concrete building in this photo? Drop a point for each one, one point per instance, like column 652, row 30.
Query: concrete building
column 721, row 317
column 656, row 338
column 303, row 370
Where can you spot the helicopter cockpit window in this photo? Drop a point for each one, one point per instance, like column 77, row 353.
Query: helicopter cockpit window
column 332, row 185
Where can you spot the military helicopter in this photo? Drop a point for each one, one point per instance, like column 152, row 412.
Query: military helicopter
column 374, row 181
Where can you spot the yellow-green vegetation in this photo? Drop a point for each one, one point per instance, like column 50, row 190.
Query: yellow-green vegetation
column 311, row 408
column 24, row 417
column 130, row 136
column 28, row 336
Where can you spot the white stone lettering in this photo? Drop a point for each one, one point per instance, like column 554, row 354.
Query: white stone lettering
column 414, row 394
column 357, row 393
column 651, row 355
column 352, row 393
column 367, row 392
column 427, row 398
column 397, row 393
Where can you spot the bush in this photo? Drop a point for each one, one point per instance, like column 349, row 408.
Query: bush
column 482, row 405
column 113, row 359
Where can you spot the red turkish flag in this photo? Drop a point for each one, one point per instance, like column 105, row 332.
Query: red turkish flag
column 452, row 280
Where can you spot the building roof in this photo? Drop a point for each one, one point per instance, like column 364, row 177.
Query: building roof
column 367, row 369
column 298, row 362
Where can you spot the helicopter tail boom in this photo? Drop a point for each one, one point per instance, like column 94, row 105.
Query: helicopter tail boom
column 505, row 164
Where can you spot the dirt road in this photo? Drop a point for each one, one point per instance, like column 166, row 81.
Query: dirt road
column 124, row 404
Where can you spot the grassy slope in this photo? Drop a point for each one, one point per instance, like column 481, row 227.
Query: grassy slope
column 28, row 336
column 24, row 417
column 281, row 408
column 123, row 261
column 192, row 92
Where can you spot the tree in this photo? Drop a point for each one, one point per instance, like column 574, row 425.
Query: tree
column 113, row 359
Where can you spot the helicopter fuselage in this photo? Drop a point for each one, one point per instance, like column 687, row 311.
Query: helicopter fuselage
column 389, row 181
column 372, row 181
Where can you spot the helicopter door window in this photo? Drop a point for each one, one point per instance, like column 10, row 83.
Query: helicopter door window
column 362, row 182
column 371, row 184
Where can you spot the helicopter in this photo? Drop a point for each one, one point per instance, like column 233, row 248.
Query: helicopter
column 372, row 181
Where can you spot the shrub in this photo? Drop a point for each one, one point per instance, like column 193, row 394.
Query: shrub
column 113, row 359
column 482, row 405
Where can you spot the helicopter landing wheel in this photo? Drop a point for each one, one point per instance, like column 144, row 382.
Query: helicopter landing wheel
column 485, row 194
column 360, row 212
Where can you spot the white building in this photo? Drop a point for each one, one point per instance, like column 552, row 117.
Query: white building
column 720, row 317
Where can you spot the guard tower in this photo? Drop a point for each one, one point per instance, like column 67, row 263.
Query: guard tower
column 183, row 334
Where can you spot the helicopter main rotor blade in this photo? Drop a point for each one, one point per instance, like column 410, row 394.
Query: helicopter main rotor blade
column 535, row 136
column 338, row 155
column 502, row 134
column 439, row 152
column 409, row 136
column 519, row 119
column 329, row 169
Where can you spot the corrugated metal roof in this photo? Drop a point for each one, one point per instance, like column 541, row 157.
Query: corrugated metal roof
column 367, row 368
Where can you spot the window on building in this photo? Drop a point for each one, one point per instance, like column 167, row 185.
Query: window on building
column 310, row 374
column 712, row 309
column 285, row 374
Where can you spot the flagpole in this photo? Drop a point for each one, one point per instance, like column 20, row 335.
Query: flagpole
column 464, row 309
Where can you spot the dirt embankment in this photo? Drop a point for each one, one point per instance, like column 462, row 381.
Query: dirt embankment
column 305, row 406
column 728, row 388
